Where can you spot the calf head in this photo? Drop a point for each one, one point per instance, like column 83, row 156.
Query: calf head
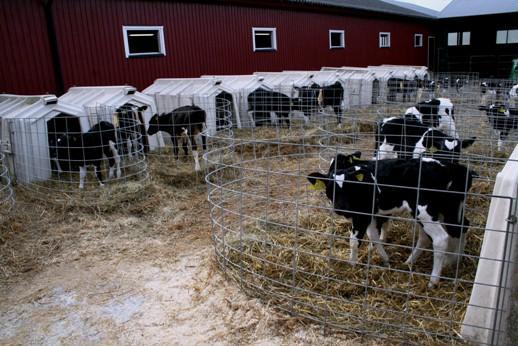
column 437, row 144
column 429, row 110
column 154, row 125
column 342, row 161
column 350, row 190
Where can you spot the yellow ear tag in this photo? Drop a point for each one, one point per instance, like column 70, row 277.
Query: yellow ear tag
column 351, row 159
column 319, row 185
column 502, row 109
column 433, row 150
column 359, row 176
column 356, row 159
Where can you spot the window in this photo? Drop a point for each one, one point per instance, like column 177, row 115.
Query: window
column 264, row 39
column 384, row 39
column 452, row 38
column 336, row 39
column 506, row 36
column 143, row 41
column 418, row 40
column 459, row 38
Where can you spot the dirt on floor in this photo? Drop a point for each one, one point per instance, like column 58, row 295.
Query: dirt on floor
column 140, row 272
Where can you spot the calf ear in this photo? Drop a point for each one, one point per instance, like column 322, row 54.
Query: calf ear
column 356, row 155
column 466, row 143
column 318, row 181
column 143, row 108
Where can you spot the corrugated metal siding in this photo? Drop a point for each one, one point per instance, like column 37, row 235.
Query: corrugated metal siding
column 215, row 39
column 26, row 66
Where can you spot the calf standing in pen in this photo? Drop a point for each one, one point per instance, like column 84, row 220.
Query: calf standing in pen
column 184, row 124
column 262, row 102
column 434, row 192
column 429, row 127
column 332, row 96
column 407, row 137
column 502, row 119
column 130, row 130
column 79, row 150
column 314, row 96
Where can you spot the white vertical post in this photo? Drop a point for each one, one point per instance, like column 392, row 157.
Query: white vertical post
column 498, row 246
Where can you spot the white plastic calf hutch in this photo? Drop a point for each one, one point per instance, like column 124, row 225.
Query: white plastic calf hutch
column 24, row 132
column 362, row 85
column 208, row 94
column 94, row 98
column 241, row 86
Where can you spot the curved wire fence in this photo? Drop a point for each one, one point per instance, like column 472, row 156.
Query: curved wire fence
column 86, row 160
column 6, row 190
column 285, row 243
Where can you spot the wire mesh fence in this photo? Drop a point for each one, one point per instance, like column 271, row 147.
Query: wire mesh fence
column 291, row 246
column 6, row 191
column 81, row 159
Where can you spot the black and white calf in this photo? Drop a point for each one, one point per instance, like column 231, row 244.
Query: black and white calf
column 503, row 120
column 185, row 124
column 408, row 137
column 131, row 131
column 77, row 151
column 262, row 102
column 438, row 113
column 369, row 192
column 332, row 96
column 315, row 97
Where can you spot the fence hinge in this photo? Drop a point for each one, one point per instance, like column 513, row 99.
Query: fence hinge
column 512, row 219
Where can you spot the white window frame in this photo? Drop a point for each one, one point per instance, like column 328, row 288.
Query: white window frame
column 342, row 39
column 160, row 29
column 420, row 44
column 381, row 34
column 274, row 38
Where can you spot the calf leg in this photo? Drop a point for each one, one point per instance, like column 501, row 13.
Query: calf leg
column 82, row 176
column 439, row 239
column 353, row 246
column 283, row 116
column 175, row 146
column 114, row 160
column 98, row 173
column 128, row 148
column 373, row 234
column 337, row 111
column 423, row 242
column 57, row 165
column 197, row 143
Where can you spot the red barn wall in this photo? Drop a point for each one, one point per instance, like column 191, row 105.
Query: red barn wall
column 207, row 39
column 26, row 63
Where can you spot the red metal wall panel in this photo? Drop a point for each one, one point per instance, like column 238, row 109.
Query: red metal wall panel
column 26, row 63
column 203, row 38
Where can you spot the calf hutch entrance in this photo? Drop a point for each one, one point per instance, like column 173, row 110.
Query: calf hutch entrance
column 285, row 243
